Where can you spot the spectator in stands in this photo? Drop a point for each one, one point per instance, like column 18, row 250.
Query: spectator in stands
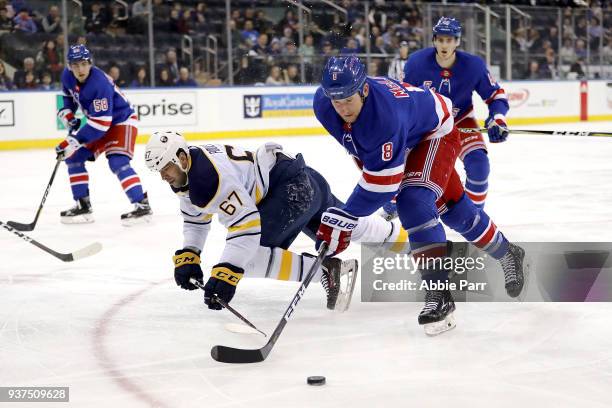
column 352, row 47
column 115, row 73
column 576, row 70
column 606, row 52
column 164, row 78
column 249, row 34
column 291, row 75
column 117, row 20
column 261, row 48
column 171, row 64
column 380, row 47
column 30, row 81
column 275, row 48
column 185, row 79
column 580, row 49
column 141, row 80
column 137, row 23
column 52, row 23
column 46, row 82
column 549, row 70
column 373, row 67
column 199, row 21
column 24, row 22
column 307, row 49
column 5, row 82
column 289, row 20
column 49, row 59
column 275, row 76
column 6, row 23
column 97, row 19
column 534, row 71
column 567, row 53
column 20, row 74
column 378, row 14
column 288, row 37
column 262, row 23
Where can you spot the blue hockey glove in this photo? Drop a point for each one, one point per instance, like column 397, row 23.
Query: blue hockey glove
column 389, row 210
column 187, row 266
column 336, row 228
column 222, row 282
column 497, row 128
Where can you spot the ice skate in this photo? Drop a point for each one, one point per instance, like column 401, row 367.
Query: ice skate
column 437, row 314
column 140, row 215
column 81, row 213
column 515, row 270
column 338, row 279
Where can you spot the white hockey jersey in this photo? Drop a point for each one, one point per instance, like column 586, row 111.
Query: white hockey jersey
column 230, row 182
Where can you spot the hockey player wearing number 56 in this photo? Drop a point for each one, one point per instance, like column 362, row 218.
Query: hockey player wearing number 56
column 111, row 128
column 265, row 199
column 456, row 75
column 406, row 141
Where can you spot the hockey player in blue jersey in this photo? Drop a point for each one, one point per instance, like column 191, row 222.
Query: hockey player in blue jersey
column 407, row 144
column 456, row 75
column 111, row 128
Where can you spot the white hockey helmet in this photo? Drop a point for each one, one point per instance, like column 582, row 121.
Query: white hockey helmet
column 163, row 148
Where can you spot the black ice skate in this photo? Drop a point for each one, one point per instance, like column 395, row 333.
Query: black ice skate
column 81, row 213
column 437, row 315
column 141, row 213
column 514, row 272
column 338, row 279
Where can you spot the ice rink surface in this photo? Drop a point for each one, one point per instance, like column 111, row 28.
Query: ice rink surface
column 117, row 330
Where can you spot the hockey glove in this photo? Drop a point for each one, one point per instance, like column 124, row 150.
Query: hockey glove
column 336, row 228
column 389, row 211
column 187, row 266
column 222, row 282
column 497, row 128
column 67, row 148
column 69, row 120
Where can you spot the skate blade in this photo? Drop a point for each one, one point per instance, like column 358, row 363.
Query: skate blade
column 348, row 279
column 434, row 329
column 79, row 219
column 131, row 222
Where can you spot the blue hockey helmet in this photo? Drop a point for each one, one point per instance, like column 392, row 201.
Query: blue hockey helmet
column 447, row 26
column 78, row 53
column 343, row 77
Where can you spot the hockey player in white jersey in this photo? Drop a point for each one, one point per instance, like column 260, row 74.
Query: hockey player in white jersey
column 264, row 199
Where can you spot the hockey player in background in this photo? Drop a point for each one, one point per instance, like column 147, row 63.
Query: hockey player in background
column 405, row 139
column 456, row 75
column 111, row 128
column 264, row 199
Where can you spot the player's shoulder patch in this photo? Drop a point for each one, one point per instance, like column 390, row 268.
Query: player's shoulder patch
column 204, row 178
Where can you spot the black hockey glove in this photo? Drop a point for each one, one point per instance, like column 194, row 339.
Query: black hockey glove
column 223, row 280
column 186, row 266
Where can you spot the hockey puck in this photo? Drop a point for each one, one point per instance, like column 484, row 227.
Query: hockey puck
column 316, row 380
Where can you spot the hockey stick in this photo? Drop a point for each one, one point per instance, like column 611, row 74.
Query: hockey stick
column 547, row 132
column 30, row 227
column 228, row 307
column 89, row 250
column 226, row 354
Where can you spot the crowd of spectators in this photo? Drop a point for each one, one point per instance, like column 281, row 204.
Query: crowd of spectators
column 266, row 43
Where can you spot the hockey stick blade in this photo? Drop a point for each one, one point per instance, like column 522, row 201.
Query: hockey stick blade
column 89, row 250
column 21, row 227
column 224, row 354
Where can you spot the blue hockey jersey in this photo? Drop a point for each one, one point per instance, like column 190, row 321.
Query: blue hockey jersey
column 394, row 119
column 469, row 73
column 100, row 100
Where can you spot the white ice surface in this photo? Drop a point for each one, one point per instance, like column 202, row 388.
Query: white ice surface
column 116, row 329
